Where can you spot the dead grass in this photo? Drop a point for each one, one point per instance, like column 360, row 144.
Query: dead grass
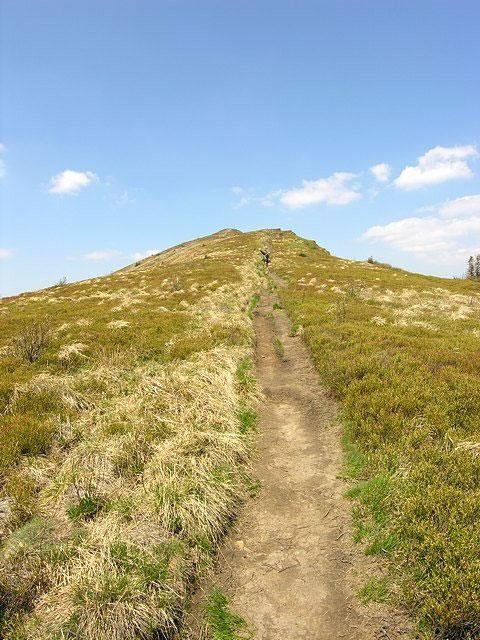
column 128, row 446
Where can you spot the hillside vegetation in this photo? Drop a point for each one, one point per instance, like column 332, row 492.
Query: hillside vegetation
column 402, row 354
column 126, row 408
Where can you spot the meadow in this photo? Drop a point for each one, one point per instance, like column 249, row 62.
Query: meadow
column 127, row 403
column 401, row 353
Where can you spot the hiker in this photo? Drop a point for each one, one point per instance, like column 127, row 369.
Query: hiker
column 266, row 257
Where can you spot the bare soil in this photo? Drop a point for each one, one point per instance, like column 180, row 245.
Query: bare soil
column 289, row 566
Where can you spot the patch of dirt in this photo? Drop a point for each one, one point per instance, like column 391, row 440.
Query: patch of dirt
column 289, row 566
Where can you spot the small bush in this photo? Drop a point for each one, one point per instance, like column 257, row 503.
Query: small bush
column 31, row 342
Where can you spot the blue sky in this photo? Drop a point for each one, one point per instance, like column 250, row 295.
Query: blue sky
column 129, row 126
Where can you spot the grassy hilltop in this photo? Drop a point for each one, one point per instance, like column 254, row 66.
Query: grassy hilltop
column 401, row 352
column 127, row 404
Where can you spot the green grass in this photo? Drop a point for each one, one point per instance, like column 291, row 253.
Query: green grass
column 295, row 329
column 400, row 353
column 223, row 623
column 125, row 440
column 279, row 348
column 253, row 305
column 248, row 419
column 355, row 462
column 372, row 513
column 375, row 590
column 86, row 508
column 244, row 373
column 126, row 426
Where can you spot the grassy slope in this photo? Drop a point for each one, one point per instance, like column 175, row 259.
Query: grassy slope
column 124, row 445
column 401, row 352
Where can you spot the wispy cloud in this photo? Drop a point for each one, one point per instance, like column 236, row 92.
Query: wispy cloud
column 460, row 207
column 450, row 232
column 105, row 255
column 121, row 198
column 5, row 254
column 337, row 189
column 381, row 171
column 420, row 235
column 437, row 165
column 249, row 197
column 102, row 255
column 141, row 255
column 70, row 182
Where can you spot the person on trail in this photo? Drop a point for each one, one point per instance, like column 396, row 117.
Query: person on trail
column 266, row 257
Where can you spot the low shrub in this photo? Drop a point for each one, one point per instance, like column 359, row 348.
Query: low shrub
column 31, row 341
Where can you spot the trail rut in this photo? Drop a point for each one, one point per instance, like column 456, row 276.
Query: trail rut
column 289, row 566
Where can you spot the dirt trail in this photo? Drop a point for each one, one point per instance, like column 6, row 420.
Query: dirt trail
column 289, row 566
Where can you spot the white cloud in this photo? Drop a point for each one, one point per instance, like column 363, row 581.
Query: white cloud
column 419, row 235
column 449, row 234
column 71, row 182
column 141, row 255
column 270, row 199
column 102, row 255
column 381, row 171
column 437, row 165
column 3, row 170
column 5, row 254
column 248, row 196
column 245, row 196
column 466, row 206
column 336, row 189
column 122, row 198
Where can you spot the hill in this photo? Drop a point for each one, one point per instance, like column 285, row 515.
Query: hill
column 400, row 352
column 128, row 406
column 126, row 410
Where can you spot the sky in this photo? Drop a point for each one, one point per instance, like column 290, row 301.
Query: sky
column 127, row 126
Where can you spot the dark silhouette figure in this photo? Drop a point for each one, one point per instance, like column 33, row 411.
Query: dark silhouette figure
column 266, row 257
